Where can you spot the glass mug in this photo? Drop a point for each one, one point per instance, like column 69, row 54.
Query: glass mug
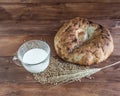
column 32, row 44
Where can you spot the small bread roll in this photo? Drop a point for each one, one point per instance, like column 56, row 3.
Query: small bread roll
column 83, row 42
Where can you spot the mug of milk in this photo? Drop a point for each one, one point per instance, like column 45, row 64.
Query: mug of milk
column 33, row 55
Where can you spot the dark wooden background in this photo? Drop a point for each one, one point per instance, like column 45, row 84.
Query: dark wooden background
column 22, row 20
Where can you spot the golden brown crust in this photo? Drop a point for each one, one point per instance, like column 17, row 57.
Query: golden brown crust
column 83, row 42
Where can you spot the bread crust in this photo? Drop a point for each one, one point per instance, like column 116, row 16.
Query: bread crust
column 83, row 42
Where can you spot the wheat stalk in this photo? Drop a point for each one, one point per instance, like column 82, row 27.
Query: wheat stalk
column 79, row 74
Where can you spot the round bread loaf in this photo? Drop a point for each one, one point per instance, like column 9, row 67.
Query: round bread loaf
column 83, row 42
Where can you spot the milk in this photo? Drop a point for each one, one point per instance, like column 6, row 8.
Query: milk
column 34, row 56
column 33, row 60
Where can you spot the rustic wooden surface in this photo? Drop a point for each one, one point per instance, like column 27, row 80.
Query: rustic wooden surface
column 22, row 20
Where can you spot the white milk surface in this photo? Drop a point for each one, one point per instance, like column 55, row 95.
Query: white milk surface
column 34, row 56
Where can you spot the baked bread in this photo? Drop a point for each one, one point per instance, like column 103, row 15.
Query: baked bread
column 83, row 42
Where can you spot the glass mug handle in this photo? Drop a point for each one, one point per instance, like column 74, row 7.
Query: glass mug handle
column 16, row 61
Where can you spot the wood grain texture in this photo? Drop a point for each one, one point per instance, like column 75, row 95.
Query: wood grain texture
column 49, row 27
column 60, row 11
column 11, row 73
column 10, row 43
column 75, row 89
column 59, row 1
column 16, row 81
column 23, row 20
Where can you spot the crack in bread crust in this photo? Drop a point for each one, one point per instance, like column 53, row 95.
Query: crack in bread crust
column 83, row 42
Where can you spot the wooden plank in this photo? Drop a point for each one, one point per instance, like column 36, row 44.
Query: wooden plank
column 59, row 1
column 29, row 27
column 14, row 80
column 62, row 11
column 74, row 89
column 12, row 73
column 10, row 44
column 48, row 27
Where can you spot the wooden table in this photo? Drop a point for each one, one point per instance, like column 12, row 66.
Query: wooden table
column 22, row 20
